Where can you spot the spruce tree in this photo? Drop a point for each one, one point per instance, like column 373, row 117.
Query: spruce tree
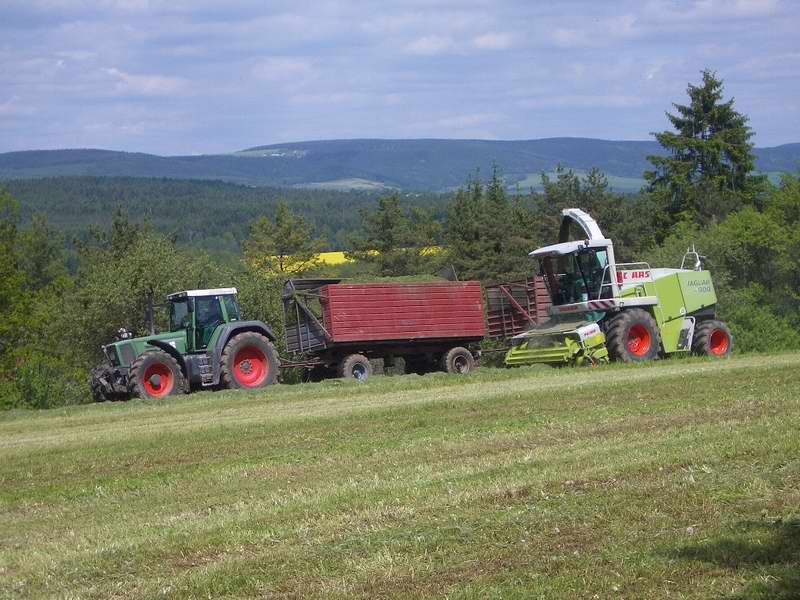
column 488, row 235
column 284, row 247
column 395, row 240
column 707, row 171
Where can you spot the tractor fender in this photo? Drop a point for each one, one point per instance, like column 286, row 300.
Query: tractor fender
column 228, row 331
column 173, row 352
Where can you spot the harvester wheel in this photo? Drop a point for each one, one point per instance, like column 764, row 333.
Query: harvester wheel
column 355, row 366
column 712, row 338
column 458, row 360
column 155, row 374
column 632, row 336
column 249, row 361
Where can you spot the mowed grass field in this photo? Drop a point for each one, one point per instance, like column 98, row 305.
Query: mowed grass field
column 679, row 479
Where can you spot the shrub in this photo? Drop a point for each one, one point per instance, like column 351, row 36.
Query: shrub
column 45, row 382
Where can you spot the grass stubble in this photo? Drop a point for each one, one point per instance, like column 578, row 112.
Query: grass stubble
column 679, row 479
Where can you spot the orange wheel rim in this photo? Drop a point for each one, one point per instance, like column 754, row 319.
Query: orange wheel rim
column 639, row 340
column 250, row 367
column 718, row 342
column 158, row 380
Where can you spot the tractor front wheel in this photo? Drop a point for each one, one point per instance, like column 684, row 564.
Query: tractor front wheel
column 632, row 336
column 155, row 375
column 249, row 361
column 712, row 338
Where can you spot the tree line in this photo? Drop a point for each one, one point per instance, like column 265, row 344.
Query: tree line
column 60, row 307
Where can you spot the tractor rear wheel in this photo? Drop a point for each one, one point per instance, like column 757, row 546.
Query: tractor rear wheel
column 355, row 366
column 712, row 338
column 458, row 360
column 155, row 374
column 632, row 336
column 249, row 361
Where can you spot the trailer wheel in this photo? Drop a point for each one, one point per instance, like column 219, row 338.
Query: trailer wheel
column 355, row 366
column 458, row 360
column 632, row 336
column 155, row 375
column 249, row 361
column 712, row 338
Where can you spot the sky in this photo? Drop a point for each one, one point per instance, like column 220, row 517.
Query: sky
column 206, row 77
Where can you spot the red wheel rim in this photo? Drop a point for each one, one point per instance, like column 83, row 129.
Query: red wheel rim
column 158, row 380
column 639, row 340
column 718, row 342
column 250, row 367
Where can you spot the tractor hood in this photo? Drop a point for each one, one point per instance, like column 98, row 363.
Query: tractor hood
column 124, row 352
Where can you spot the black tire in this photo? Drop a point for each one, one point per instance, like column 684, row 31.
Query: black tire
column 155, row 375
column 712, row 338
column 249, row 361
column 632, row 336
column 458, row 360
column 355, row 366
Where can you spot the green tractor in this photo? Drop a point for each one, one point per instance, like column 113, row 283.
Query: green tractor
column 207, row 346
column 603, row 310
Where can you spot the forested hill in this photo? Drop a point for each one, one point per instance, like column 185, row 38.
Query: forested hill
column 424, row 164
column 214, row 215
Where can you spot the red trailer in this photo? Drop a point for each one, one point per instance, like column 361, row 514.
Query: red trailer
column 339, row 327
column 514, row 307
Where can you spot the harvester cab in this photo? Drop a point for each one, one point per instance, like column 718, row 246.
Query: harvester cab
column 602, row 309
column 208, row 345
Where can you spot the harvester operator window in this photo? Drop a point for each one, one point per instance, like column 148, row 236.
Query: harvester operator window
column 591, row 264
column 578, row 277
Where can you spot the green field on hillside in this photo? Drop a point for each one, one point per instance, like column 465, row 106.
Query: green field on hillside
column 678, row 479
column 628, row 185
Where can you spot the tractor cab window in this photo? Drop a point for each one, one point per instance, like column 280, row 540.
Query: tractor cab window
column 208, row 316
column 231, row 308
column 576, row 277
column 179, row 317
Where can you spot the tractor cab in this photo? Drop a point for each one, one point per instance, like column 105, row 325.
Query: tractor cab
column 200, row 313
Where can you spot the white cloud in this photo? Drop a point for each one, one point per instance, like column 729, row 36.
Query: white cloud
column 468, row 120
column 584, row 101
column 597, row 32
column 493, row 41
column 14, row 108
column 430, row 45
column 712, row 11
column 146, row 85
column 78, row 55
column 332, row 98
column 282, row 68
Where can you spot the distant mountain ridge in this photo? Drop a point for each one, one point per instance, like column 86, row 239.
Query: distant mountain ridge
column 411, row 164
